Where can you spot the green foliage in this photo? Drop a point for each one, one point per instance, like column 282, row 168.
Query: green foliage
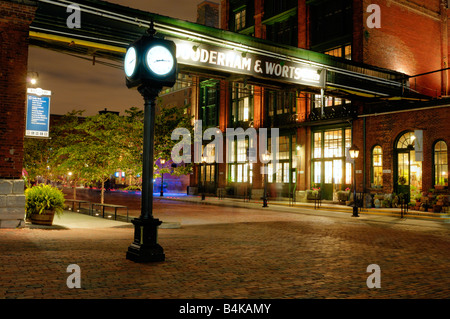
column 43, row 197
column 168, row 119
column 93, row 148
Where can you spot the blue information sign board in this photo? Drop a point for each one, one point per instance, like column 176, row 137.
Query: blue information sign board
column 38, row 116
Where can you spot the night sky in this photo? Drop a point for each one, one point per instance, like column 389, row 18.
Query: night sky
column 77, row 84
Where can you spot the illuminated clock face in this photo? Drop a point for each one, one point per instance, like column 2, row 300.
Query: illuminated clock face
column 130, row 61
column 160, row 60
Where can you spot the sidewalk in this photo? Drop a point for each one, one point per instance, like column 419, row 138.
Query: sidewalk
column 132, row 200
column 324, row 206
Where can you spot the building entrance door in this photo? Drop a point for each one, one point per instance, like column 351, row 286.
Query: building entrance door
column 408, row 179
column 333, row 178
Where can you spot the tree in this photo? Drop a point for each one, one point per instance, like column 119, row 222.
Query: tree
column 168, row 119
column 63, row 163
column 94, row 149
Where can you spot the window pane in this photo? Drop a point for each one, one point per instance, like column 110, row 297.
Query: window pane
column 317, row 172
column 328, row 178
column 270, row 172
column 242, row 150
column 333, row 143
column 377, row 162
column 403, row 166
column 232, row 152
column 337, row 171
column 318, row 145
column 239, row 173
column 232, row 173
column 348, row 52
column 348, row 138
column 440, row 164
column 285, row 172
column 213, row 173
column 279, row 173
column 348, row 173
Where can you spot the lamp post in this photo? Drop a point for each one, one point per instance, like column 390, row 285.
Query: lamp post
column 354, row 153
column 32, row 78
column 150, row 64
column 162, row 161
column 265, row 158
column 204, row 177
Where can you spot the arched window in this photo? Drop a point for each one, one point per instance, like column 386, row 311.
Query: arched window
column 377, row 166
column 406, row 141
column 440, row 163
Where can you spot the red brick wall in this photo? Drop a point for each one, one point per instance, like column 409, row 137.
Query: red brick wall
column 224, row 14
column 408, row 41
column 14, row 22
column 383, row 130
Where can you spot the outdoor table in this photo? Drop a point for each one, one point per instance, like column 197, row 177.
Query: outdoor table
column 73, row 201
column 103, row 206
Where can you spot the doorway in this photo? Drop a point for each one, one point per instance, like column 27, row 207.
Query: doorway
column 408, row 172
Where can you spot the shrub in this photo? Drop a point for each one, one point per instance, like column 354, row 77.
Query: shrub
column 43, row 197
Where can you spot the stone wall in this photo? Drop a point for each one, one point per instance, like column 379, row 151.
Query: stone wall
column 12, row 203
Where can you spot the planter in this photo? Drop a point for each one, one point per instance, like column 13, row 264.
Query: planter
column 439, row 187
column 43, row 219
column 311, row 195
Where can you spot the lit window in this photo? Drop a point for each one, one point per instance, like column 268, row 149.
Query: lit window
column 240, row 19
column 341, row 52
column 242, row 103
column 242, row 172
column 377, row 166
column 348, row 52
column 440, row 164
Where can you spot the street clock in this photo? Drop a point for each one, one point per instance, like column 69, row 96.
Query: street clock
column 152, row 62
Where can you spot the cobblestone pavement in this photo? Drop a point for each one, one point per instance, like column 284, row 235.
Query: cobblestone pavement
column 225, row 252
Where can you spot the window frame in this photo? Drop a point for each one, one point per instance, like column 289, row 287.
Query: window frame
column 373, row 166
column 434, row 164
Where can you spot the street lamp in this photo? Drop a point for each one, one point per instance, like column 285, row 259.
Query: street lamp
column 204, row 176
column 32, row 78
column 162, row 161
column 354, row 153
column 265, row 158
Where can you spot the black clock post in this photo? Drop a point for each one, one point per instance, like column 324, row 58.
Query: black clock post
column 150, row 64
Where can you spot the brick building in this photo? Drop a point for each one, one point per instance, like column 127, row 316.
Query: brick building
column 15, row 18
column 402, row 141
column 208, row 13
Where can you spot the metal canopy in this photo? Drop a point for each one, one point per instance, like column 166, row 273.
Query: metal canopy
column 107, row 29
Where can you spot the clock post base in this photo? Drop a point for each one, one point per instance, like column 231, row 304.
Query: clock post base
column 145, row 248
